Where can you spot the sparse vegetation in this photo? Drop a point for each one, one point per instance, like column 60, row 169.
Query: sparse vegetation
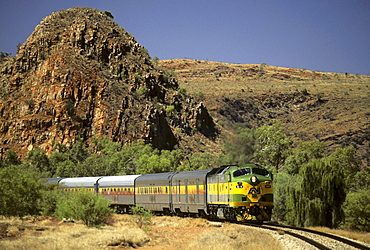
column 141, row 216
column 84, row 206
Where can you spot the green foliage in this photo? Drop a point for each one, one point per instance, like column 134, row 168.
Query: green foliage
column 39, row 160
column 239, row 148
column 48, row 202
column 109, row 14
column 142, row 91
column 105, row 146
column 361, row 180
column 170, row 110
column 357, row 210
column 66, row 169
column 282, row 182
column 305, row 152
column 155, row 59
column 346, row 158
column 11, row 158
column 196, row 161
column 145, row 52
column 84, row 206
column 156, row 162
column 78, row 153
column 19, row 192
column 272, row 145
column 182, row 91
column 318, row 200
column 141, row 216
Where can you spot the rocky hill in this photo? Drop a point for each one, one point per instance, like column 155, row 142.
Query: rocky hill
column 80, row 75
column 312, row 105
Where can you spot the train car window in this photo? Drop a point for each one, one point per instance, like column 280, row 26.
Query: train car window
column 241, row 172
column 260, row 171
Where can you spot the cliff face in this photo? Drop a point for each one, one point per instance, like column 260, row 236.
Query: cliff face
column 80, row 75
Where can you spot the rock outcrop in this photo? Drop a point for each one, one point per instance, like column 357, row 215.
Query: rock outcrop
column 80, row 75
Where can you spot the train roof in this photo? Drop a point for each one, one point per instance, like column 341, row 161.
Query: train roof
column 192, row 174
column 53, row 180
column 158, row 178
column 117, row 181
column 79, row 182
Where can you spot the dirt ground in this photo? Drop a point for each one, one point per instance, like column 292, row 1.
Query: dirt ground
column 173, row 237
column 123, row 232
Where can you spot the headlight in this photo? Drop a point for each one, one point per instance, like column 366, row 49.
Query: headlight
column 254, row 179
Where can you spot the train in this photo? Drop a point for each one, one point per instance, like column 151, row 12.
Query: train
column 230, row 192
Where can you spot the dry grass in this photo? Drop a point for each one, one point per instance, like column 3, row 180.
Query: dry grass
column 48, row 234
column 234, row 237
column 122, row 233
column 360, row 236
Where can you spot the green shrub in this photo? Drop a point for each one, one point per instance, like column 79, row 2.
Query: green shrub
column 142, row 91
column 141, row 216
column 357, row 210
column 20, row 190
column 182, row 91
column 48, row 202
column 88, row 207
column 170, row 110
column 109, row 14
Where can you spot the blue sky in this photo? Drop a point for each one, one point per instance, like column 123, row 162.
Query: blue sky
column 322, row 35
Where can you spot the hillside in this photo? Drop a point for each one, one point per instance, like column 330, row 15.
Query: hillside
column 330, row 107
column 79, row 75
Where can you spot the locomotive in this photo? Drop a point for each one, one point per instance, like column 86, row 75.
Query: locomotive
column 229, row 192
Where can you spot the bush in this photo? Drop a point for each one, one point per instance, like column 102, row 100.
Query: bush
column 88, row 207
column 20, row 190
column 357, row 210
column 142, row 216
column 48, row 202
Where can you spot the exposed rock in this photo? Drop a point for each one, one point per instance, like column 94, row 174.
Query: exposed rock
column 80, row 75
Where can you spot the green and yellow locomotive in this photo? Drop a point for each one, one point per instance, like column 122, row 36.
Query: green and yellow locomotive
column 240, row 193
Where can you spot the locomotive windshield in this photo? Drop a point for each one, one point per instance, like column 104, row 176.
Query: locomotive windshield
column 245, row 171
column 241, row 172
column 260, row 171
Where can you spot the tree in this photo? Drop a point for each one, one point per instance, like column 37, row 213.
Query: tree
column 105, row 146
column 318, row 200
column 66, row 169
column 240, row 148
column 357, row 210
column 20, row 190
column 11, row 158
column 272, row 145
column 346, row 158
column 282, row 182
column 39, row 160
column 305, row 152
column 196, row 161
column 78, row 153
column 88, row 207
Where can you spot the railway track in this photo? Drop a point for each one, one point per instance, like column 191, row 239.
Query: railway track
column 310, row 236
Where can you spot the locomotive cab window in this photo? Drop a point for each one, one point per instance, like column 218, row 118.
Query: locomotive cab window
column 261, row 171
column 241, row 172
